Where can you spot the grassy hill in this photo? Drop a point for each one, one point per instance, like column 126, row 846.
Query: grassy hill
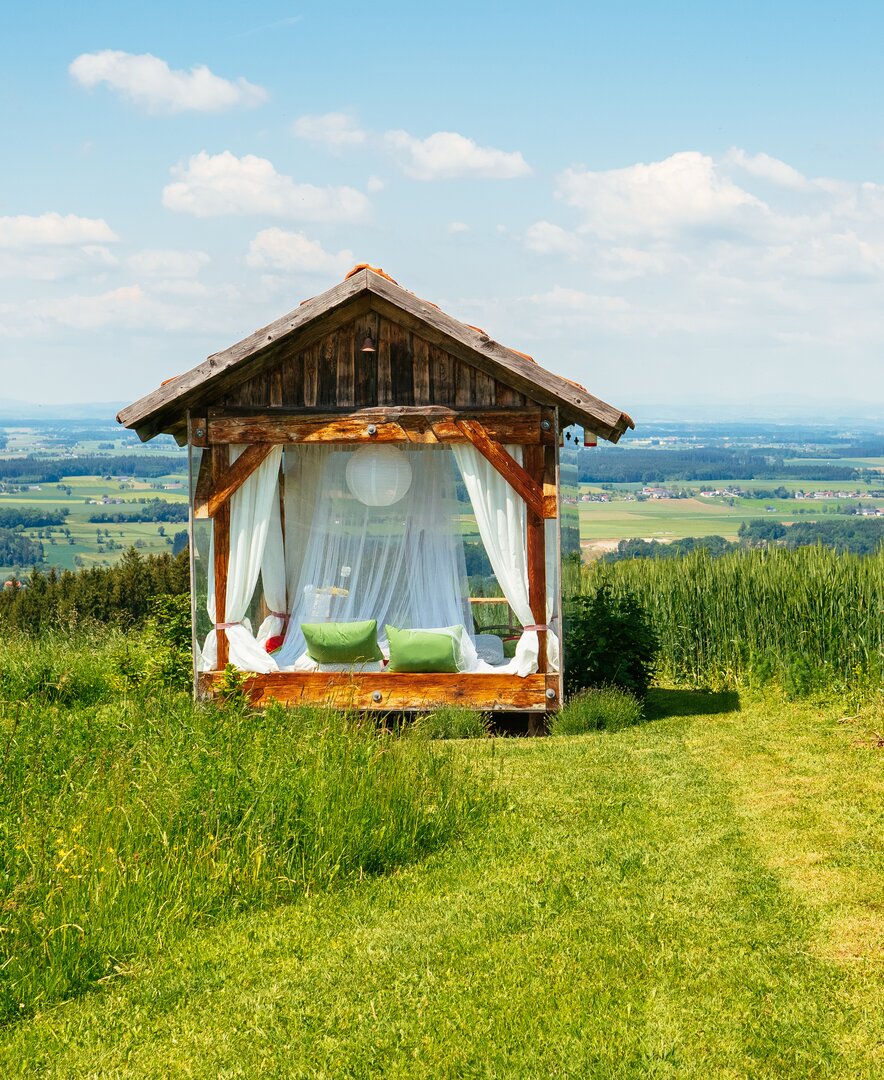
column 694, row 897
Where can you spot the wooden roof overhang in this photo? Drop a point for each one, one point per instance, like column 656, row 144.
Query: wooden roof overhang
column 165, row 409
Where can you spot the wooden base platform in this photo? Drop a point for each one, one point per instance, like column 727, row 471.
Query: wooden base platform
column 390, row 692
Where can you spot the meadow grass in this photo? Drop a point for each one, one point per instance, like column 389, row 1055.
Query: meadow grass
column 126, row 819
column 669, row 900
column 601, row 709
column 809, row 619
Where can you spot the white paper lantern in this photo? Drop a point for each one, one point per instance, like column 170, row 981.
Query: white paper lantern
column 378, row 475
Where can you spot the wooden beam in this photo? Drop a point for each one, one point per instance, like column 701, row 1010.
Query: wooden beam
column 227, row 480
column 419, row 424
column 536, row 541
column 519, row 479
column 204, row 481
column 390, row 692
column 221, row 535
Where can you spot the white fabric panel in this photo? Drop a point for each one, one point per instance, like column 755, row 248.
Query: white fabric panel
column 501, row 517
column 401, row 564
column 553, row 571
column 273, row 579
column 250, row 515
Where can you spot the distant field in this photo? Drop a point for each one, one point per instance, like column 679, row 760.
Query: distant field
column 603, row 524
column 84, row 533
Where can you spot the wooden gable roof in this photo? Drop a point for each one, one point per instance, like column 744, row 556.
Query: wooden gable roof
column 365, row 294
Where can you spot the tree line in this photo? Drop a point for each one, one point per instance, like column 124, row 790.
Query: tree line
column 37, row 469
column 620, row 466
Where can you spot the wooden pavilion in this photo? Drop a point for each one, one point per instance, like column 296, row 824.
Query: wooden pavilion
column 368, row 362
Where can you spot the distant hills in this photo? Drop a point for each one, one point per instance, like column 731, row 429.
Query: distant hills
column 14, row 409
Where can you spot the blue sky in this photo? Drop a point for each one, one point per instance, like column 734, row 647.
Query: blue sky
column 670, row 202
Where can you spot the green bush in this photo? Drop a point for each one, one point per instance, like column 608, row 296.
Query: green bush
column 452, row 722
column 609, row 641
column 605, row 709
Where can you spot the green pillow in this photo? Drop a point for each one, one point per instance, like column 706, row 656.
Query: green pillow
column 421, row 650
column 342, row 642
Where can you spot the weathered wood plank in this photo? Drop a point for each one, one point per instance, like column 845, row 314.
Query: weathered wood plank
column 221, row 539
column 387, row 691
column 464, row 383
column 515, row 475
column 401, row 363
column 441, row 376
column 309, row 360
column 385, row 369
column 227, row 480
column 394, row 423
column 484, row 389
column 326, row 357
column 293, row 381
column 421, row 370
column 365, row 363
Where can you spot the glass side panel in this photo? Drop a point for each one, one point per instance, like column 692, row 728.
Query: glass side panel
column 569, row 524
column 200, row 554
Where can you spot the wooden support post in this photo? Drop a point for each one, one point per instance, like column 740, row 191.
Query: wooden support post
column 222, row 557
column 520, row 479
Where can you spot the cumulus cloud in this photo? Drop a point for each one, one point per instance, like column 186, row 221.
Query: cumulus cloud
column 768, row 168
column 448, row 155
column 545, row 238
column 334, row 129
column 375, row 183
column 293, row 252
column 161, row 263
column 686, row 191
column 53, row 229
column 455, row 227
column 152, row 85
column 223, row 184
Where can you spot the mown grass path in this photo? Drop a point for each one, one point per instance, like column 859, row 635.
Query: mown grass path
column 639, row 907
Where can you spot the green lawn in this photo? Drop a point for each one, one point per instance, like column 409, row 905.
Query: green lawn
column 696, row 897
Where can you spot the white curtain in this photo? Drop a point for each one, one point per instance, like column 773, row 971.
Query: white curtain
column 501, row 517
column 250, row 516
column 401, row 564
column 273, row 578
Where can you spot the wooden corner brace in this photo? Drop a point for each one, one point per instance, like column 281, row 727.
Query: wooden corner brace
column 215, row 486
column 519, row 479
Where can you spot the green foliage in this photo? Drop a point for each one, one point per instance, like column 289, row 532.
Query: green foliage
column 807, row 620
column 609, row 641
column 16, row 549
column 123, row 823
column 452, row 722
column 120, row 594
column 604, row 709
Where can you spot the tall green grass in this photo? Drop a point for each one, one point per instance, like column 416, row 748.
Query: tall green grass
column 125, row 818
column 806, row 619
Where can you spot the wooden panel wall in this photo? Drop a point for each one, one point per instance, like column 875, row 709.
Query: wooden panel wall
column 405, row 370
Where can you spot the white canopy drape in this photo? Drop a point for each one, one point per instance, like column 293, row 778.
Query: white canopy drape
column 250, row 517
column 502, row 520
column 401, row 564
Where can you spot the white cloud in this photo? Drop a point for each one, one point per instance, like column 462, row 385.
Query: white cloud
column 334, row 129
column 53, row 229
column 152, row 85
column 455, row 227
column 375, row 183
column 768, row 168
column 223, row 184
column 293, row 252
column 686, row 191
column 159, row 263
column 545, row 238
column 448, row 155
